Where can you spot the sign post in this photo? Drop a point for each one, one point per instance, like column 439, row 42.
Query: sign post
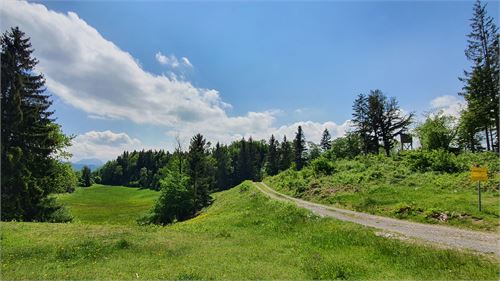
column 479, row 174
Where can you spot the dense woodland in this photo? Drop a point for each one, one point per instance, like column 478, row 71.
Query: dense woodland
column 33, row 145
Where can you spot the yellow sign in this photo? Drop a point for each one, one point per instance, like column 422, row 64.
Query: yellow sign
column 478, row 174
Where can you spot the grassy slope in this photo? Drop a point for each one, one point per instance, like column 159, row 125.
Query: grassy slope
column 243, row 235
column 101, row 204
column 387, row 187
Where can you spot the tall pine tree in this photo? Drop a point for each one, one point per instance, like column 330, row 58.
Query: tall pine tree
column 482, row 83
column 199, row 171
column 272, row 157
column 286, row 154
column 223, row 167
column 326, row 140
column 299, row 149
column 30, row 138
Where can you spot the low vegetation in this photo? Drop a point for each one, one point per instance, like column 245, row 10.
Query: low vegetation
column 100, row 204
column 243, row 235
column 431, row 187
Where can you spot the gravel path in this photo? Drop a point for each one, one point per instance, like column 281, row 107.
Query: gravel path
column 445, row 236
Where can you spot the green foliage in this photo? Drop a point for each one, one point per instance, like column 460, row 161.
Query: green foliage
column 326, row 140
column 176, row 201
column 86, row 179
column 52, row 211
column 322, row 166
column 437, row 132
column 346, row 147
column 242, row 236
column 378, row 119
column 273, row 158
column 482, row 82
column 199, row 172
column 435, row 160
column 404, row 186
column 32, row 144
column 299, row 149
column 64, row 178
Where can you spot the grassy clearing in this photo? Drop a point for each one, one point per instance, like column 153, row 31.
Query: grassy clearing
column 100, row 204
column 243, row 235
column 387, row 186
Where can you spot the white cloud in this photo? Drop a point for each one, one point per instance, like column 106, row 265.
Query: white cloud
column 186, row 62
column 449, row 105
column 313, row 130
column 104, row 145
column 172, row 60
column 94, row 75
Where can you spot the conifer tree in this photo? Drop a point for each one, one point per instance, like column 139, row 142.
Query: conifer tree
column 272, row 157
column 223, row 167
column 31, row 140
column 326, row 140
column 482, row 83
column 299, row 146
column 86, row 179
column 286, row 154
column 378, row 119
column 199, row 172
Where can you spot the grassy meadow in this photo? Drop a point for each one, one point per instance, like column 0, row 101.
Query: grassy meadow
column 100, row 204
column 242, row 235
column 390, row 186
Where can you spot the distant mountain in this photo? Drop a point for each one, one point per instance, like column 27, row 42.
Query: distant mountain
column 92, row 163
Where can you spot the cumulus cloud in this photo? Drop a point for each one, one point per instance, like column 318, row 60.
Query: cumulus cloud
column 103, row 145
column 449, row 105
column 92, row 74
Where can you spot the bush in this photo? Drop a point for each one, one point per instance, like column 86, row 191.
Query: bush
column 322, row 166
column 436, row 160
column 51, row 211
column 175, row 202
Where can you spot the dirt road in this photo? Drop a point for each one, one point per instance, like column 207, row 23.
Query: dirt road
column 442, row 235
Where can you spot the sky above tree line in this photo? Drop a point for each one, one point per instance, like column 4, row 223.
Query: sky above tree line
column 134, row 74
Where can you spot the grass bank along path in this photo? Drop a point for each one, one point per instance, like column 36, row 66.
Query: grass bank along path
column 446, row 236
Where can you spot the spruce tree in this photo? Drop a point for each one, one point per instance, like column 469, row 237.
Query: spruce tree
column 299, row 145
column 199, row 171
column 223, row 167
column 31, row 141
column 86, row 179
column 482, row 83
column 272, row 157
column 286, row 154
column 326, row 140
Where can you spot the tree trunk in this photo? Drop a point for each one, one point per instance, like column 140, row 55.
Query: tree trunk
column 487, row 138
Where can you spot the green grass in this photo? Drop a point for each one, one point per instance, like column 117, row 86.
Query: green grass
column 243, row 235
column 101, row 204
column 387, row 186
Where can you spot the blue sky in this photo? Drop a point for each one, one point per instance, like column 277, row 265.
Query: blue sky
column 287, row 62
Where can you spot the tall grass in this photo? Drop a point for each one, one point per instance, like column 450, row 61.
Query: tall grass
column 243, row 235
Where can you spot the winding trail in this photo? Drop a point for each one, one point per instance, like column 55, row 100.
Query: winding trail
column 444, row 236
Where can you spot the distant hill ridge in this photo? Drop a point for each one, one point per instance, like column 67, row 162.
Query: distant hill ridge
column 92, row 163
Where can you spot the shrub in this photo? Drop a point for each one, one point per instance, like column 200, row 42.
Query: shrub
column 436, row 160
column 322, row 166
column 51, row 211
column 175, row 201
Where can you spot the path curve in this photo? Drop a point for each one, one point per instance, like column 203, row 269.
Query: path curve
column 443, row 235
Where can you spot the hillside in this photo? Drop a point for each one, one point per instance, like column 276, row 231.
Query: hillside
column 430, row 187
column 242, row 235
